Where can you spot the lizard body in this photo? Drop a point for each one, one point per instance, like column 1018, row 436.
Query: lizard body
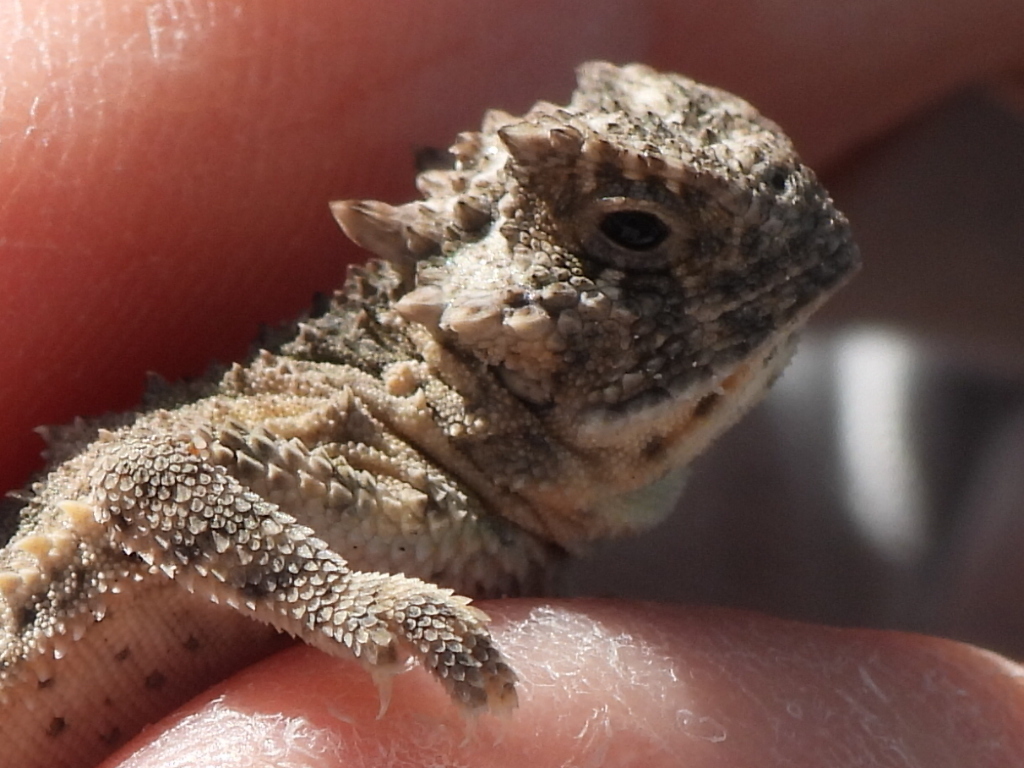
column 581, row 302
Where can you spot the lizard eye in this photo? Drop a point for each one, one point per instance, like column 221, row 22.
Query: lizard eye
column 630, row 234
column 635, row 230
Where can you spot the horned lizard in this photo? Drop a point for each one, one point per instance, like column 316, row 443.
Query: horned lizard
column 583, row 299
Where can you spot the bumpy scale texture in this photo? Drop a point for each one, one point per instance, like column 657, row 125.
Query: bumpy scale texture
column 582, row 300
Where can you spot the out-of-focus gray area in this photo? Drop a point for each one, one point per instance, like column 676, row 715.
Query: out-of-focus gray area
column 882, row 481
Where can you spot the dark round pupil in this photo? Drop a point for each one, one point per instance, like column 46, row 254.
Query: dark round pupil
column 636, row 230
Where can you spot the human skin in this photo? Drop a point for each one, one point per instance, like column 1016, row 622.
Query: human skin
column 164, row 171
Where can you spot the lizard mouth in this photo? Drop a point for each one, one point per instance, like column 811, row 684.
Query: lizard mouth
column 670, row 428
column 630, row 493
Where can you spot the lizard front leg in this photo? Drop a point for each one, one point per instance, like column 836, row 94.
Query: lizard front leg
column 93, row 645
column 165, row 502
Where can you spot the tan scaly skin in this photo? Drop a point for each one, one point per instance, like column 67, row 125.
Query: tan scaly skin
column 585, row 297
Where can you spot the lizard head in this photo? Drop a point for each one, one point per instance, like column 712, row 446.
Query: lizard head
column 631, row 266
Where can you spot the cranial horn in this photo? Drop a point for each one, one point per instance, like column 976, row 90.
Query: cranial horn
column 529, row 143
column 470, row 217
column 385, row 230
column 375, row 226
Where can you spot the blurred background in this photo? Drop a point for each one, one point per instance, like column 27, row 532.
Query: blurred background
column 164, row 172
column 881, row 483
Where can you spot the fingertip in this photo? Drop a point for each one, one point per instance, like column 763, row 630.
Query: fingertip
column 612, row 681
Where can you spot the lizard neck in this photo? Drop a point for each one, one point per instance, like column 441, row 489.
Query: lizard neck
column 444, row 403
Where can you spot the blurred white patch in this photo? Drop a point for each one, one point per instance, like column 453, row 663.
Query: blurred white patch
column 883, row 480
column 230, row 739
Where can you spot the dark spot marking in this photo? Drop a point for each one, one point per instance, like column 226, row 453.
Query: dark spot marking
column 646, row 399
column 192, row 644
column 256, row 583
column 188, row 553
column 707, row 404
column 729, row 282
column 123, row 654
column 654, row 448
column 56, row 727
column 516, row 298
column 259, row 589
column 778, row 179
column 27, row 616
column 750, row 323
column 107, row 701
column 112, row 737
column 155, row 680
column 47, row 683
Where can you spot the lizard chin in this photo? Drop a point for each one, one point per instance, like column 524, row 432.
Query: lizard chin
column 666, row 436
